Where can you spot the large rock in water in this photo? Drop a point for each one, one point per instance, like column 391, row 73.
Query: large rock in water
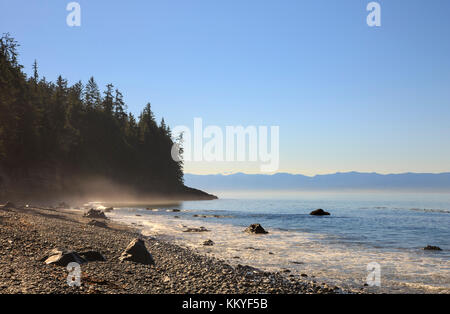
column 193, row 229
column 208, row 243
column 256, row 229
column 432, row 248
column 94, row 213
column 63, row 258
column 137, row 252
column 319, row 212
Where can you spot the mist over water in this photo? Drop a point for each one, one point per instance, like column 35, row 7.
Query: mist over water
column 388, row 228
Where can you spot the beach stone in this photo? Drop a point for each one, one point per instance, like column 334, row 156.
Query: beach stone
column 432, row 248
column 137, row 252
column 63, row 258
column 109, row 209
column 247, row 269
column 97, row 223
column 94, row 213
column 201, row 229
column 319, row 212
column 93, row 256
column 208, row 243
column 256, row 229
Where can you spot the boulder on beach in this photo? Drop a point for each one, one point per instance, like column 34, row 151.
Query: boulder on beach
column 432, row 248
column 93, row 256
column 208, row 243
column 173, row 210
column 108, row 210
column 96, row 223
column 319, row 212
column 137, row 252
column 63, row 258
column 256, row 229
column 95, row 213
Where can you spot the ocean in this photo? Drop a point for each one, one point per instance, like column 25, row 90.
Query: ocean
column 390, row 229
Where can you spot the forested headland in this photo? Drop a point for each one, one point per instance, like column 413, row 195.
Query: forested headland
column 59, row 141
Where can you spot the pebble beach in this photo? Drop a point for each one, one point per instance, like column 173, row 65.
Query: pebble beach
column 29, row 233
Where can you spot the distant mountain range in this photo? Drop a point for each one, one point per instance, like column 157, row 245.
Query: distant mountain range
column 338, row 181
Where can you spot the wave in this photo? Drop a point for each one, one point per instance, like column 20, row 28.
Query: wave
column 299, row 252
column 429, row 210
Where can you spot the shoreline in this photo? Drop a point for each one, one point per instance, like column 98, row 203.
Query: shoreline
column 28, row 233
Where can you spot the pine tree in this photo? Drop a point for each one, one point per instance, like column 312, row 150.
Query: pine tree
column 92, row 96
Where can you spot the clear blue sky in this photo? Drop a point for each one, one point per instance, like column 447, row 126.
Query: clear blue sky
column 347, row 97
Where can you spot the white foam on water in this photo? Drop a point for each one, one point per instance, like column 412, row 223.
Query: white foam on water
column 345, row 266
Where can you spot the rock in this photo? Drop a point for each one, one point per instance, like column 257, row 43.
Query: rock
column 94, row 213
column 108, row 210
column 208, row 243
column 256, row 229
column 319, row 212
column 63, row 258
column 432, row 248
column 137, row 252
column 247, row 269
column 173, row 210
column 304, row 275
column 252, row 248
column 97, row 223
column 93, row 256
column 201, row 229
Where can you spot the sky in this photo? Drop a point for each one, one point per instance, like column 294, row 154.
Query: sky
column 346, row 96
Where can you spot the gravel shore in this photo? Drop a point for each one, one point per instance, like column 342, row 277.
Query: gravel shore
column 28, row 233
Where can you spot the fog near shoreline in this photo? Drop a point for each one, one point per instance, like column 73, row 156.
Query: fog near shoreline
column 78, row 191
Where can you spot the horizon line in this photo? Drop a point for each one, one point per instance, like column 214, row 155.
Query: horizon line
column 316, row 175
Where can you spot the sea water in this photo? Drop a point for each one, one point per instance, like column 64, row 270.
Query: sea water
column 390, row 229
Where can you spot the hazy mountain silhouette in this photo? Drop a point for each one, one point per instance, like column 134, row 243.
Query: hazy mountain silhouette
column 349, row 180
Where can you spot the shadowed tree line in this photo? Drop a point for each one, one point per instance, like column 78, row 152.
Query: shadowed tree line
column 51, row 133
